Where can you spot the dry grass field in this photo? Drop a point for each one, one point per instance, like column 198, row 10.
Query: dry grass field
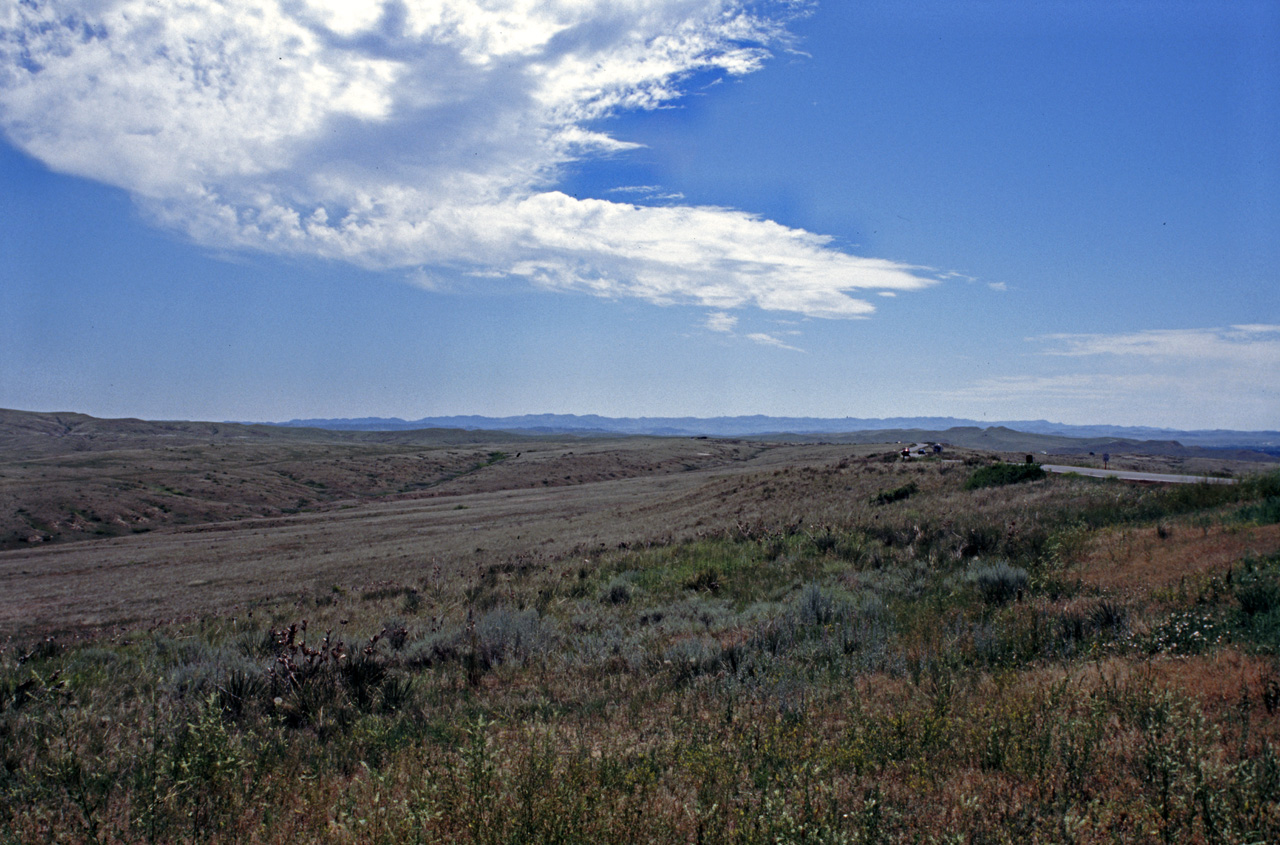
column 168, row 537
column 236, row 635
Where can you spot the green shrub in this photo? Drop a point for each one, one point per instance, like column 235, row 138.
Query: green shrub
column 1266, row 512
column 825, row 541
column 692, row 657
column 1109, row 617
column 395, row 632
column 1258, row 595
column 617, row 592
column 513, row 636
column 707, row 580
column 885, row 497
column 1263, row 486
column 817, row 606
column 1183, row 498
column 998, row 583
column 979, row 540
column 362, row 675
column 1258, row 592
column 1258, row 586
column 1000, row 474
column 1263, row 630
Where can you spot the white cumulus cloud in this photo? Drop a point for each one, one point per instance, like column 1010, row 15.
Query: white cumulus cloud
column 415, row 134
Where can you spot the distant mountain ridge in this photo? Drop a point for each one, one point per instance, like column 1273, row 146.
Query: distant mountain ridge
column 759, row 424
column 32, row 432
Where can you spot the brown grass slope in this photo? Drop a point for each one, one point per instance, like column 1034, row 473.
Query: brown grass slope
column 66, row 476
column 73, row 477
column 645, row 640
column 472, row 508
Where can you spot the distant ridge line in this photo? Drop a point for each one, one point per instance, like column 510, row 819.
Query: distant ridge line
column 759, row 424
column 45, row 432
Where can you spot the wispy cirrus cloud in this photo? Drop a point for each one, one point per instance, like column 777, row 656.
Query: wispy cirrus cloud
column 766, row 339
column 1050, row 391
column 648, row 192
column 415, row 134
column 1254, row 345
column 1206, row 377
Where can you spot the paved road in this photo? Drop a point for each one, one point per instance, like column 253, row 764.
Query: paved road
column 1126, row 475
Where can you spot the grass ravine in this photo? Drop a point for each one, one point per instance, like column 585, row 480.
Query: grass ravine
column 667, row 641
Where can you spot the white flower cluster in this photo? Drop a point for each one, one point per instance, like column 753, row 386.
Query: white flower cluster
column 1186, row 632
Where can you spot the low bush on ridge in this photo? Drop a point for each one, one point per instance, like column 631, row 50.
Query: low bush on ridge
column 1003, row 473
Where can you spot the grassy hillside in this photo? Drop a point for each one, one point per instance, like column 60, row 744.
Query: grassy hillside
column 685, row 641
column 71, row 477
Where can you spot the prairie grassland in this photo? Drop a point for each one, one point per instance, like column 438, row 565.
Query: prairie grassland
column 815, row 646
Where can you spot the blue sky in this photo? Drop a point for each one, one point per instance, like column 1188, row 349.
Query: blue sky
column 997, row 210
